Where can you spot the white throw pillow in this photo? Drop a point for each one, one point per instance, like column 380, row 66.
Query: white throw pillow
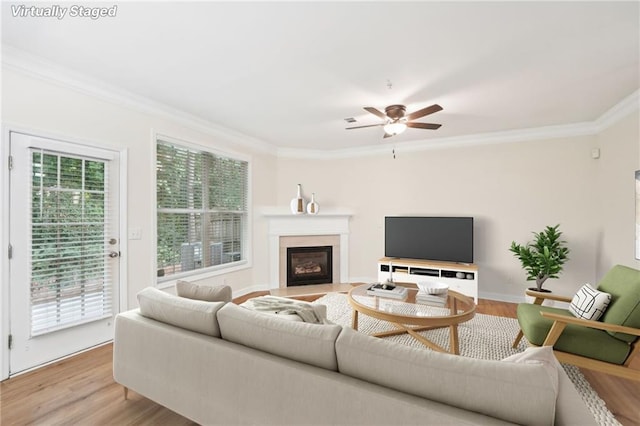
column 207, row 293
column 589, row 303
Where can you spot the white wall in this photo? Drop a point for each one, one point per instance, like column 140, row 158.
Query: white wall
column 620, row 149
column 51, row 109
column 511, row 189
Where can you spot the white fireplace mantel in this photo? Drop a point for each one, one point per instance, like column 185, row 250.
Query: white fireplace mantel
column 281, row 222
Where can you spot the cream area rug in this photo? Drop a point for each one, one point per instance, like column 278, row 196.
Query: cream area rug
column 484, row 337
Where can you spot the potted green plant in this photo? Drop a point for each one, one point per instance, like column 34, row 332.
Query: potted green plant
column 543, row 257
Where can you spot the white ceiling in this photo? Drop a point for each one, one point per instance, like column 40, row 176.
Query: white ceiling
column 288, row 73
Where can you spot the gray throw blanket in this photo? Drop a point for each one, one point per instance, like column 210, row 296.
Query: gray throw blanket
column 281, row 306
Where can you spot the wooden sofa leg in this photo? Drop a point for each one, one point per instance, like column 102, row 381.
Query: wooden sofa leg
column 518, row 338
column 126, row 392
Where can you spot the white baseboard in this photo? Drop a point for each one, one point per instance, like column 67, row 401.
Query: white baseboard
column 365, row 280
column 482, row 295
column 502, row 297
column 246, row 290
column 521, row 299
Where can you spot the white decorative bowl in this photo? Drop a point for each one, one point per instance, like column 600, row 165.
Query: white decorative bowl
column 432, row 287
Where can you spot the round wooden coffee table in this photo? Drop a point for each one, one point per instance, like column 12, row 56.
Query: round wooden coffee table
column 411, row 317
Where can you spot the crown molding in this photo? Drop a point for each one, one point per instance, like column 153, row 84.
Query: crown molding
column 622, row 109
column 491, row 138
column 33, row 66
column 627, row 106
column 39, row 68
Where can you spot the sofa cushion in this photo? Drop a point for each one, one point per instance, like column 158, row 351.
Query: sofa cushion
column 522, row 393
column 543, row 356
column 194, row 315
column 623, row 284
column 312, row 344
column 589, row 303
column 207, row 293
column 584, row 341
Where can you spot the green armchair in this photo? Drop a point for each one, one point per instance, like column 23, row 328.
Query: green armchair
column 607, row 345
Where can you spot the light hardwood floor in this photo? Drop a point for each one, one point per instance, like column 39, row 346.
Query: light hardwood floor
column 80, row 391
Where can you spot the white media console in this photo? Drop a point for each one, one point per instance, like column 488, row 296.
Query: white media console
column 462, row 278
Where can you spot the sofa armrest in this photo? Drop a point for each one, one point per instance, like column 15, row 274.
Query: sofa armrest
column 542, row 296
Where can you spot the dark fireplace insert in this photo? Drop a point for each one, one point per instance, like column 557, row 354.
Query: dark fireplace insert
column 309, row 265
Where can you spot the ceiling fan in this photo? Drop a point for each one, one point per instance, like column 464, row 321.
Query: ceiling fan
column 396, row 122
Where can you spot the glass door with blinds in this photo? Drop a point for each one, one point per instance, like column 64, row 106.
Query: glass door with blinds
column 64, row 249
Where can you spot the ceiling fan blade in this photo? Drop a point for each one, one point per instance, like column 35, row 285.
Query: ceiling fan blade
column 376, row 112
column 387, row 135
column 424, row 111
column 430, row 126
column 362, row 127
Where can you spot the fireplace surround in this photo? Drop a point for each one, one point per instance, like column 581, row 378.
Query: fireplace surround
column 329, row 227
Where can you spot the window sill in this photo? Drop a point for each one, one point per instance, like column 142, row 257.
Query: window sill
column 201, row 275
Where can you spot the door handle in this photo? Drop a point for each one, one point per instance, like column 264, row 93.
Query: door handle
column 114, row 254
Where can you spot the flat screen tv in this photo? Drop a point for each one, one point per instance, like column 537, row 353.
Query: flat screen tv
column 448, row 239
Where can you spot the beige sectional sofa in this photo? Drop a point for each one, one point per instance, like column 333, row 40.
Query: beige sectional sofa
column 219, row 363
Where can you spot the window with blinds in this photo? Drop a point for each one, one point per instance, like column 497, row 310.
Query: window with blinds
column 201, row 210
column 70, row 280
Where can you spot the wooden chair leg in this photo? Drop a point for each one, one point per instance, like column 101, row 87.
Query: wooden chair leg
column 556, row 330
column 518, row 338
column 126, row 392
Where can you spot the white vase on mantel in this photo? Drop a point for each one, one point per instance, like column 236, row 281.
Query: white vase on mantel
column 297, row 204
column 312, row 207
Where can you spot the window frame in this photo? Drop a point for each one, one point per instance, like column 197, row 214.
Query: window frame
column 211, row 271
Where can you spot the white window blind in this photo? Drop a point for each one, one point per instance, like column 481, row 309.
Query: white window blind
column 70, row 282
column 202, row 210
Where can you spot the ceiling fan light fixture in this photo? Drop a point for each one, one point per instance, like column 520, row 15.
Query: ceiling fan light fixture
column 394, row 120
column 395, row 128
